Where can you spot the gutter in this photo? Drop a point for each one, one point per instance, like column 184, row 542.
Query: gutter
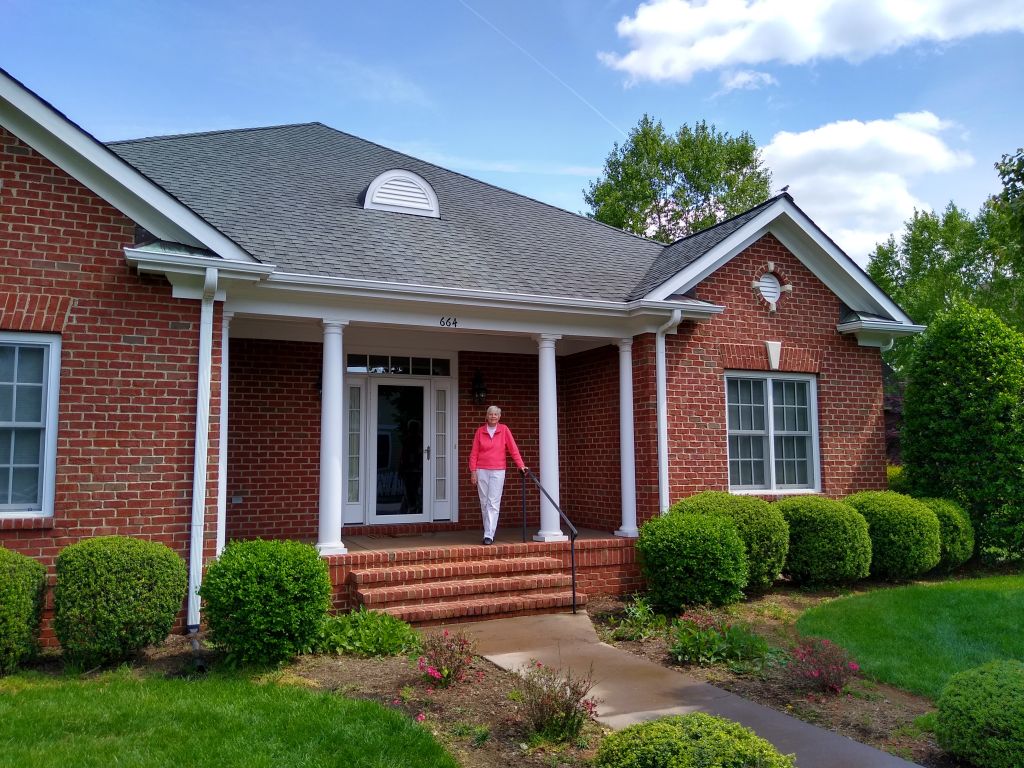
column 662, row 398
column 202, row 448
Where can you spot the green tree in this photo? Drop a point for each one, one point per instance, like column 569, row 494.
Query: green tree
column 669, row 186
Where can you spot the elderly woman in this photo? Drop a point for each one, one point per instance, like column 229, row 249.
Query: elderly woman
column 487, row 464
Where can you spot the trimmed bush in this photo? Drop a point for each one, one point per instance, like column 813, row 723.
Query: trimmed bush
column 904, row 533
column 691, row 560
column 981, row 715
column 114, row 596
column 897, row 477
column 963, row 423
column 956, row 534
column 366, row 633
column 764, row 533
column 828, row 541
column 689, row 741
column 266, row 601
column 22, row 588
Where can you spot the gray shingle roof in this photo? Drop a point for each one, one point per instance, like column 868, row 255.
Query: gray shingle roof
column 291, row 196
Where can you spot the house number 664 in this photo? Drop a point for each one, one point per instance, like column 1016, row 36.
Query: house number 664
column 449, row 322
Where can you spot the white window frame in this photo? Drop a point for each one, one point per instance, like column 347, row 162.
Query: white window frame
column 51, row 383
column 815, row 458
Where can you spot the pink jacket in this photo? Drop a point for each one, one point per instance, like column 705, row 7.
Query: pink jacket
column 489, row 452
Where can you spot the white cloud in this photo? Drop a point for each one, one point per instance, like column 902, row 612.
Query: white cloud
column 746, row 80
column 675, row 39
column 855, row 178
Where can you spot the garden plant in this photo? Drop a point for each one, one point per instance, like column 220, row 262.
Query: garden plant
column 981, row 715
column 828, row 541
column 22, row 589
column 904, row 533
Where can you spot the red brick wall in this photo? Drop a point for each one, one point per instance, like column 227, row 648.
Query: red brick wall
column 128, row 364
column 850, row 419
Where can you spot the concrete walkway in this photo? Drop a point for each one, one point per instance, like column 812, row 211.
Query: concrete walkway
column 633, row 689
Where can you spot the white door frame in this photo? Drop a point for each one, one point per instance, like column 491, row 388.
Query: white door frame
column 373, row 431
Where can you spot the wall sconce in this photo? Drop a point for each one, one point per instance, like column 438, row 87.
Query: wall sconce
column 479, row 388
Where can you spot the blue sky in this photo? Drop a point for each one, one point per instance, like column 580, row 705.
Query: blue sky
column 864, row 108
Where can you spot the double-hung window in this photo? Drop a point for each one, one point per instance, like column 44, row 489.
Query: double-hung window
column 29, row 382
column 773, row 432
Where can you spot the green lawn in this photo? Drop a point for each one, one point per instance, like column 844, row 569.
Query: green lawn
column 916, row 637
column 218, row 722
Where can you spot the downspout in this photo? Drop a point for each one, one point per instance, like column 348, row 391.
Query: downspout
column 195, row 568
column 222, row 451
column 662, row 396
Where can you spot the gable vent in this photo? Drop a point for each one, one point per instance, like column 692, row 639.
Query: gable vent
column 402, row 192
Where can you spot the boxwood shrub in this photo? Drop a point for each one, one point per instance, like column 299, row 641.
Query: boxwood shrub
column 266, row 601
column 956, row 534
column 981, row 715
column 828, row 540
column 904, row 533
column 114, row 596
column 22, row 588
column 762, row 530
column 897, row 478
column 691, row 560
column 695, row 740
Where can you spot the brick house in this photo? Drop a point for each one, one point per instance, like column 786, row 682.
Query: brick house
column 248, row 333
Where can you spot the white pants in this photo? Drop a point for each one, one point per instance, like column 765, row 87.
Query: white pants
column 489, row 484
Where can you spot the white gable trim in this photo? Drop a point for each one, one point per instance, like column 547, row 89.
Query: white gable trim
column 62, row 142
column 810, row 245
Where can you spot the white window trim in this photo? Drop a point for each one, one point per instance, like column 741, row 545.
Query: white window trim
column 768, row 377
column 52, row 396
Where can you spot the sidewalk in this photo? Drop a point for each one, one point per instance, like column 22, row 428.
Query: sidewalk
column 632, row 689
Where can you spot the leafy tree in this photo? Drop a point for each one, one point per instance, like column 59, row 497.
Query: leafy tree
column 669, row 186
column 963, row 431
column 1011, row 199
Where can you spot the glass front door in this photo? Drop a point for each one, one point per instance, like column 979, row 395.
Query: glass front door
column 399, row 452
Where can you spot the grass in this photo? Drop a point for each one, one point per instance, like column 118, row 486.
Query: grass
column 916, row 637
column 220, row 722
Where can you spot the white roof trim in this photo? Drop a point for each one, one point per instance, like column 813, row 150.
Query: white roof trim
column 810, row 245
column 54, row 136
column 402, row 191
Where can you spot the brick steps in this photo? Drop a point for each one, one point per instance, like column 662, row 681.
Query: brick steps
column 466, row 590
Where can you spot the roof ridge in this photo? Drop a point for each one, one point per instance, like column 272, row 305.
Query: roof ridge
column 723, row 222
column 192, row 134
column 494, row 186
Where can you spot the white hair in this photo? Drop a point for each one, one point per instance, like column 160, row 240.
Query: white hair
column 494, row 408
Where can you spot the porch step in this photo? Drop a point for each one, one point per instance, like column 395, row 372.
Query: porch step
column 463, row 569
column 451, row 590
column 494, row 607
column 465, row 590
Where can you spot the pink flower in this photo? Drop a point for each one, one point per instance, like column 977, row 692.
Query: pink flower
column 854, row 666
column 420, row 717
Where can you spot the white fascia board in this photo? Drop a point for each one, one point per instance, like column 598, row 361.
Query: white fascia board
column 83, row 157
column 173, row 265
column 869, row 326
column 308, row 284
column 809, row 244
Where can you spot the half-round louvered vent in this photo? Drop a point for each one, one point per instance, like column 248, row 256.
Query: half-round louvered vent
column 402, row 192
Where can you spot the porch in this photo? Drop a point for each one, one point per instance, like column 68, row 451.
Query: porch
column 449, row 576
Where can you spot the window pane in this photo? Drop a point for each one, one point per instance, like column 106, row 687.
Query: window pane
column 6, row 402
column 29, row 403
column 6, row 363
column 357, row 363
column 30, row 365
column 25, row 485
column 379, row 363
column 421, row 366
column 26, row 446
column 6, row 438
column 440, row 489
column 354, row 423
column 400, row 365
column 441, row 367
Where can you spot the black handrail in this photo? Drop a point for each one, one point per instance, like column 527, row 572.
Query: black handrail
column 573, row 533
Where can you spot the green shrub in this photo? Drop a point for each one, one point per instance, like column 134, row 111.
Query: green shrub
column 366, row 633
column 266, row 600
column 828, row 540
column 956, row 534
column 981, row 715
column 691, row 560
column 22, row 588
column 640, row 621
column 114, row 596
column 904, row 533
column 697, row 637
column 689, row 741
column 764, row 533
column 963, row 423
column 897, row 477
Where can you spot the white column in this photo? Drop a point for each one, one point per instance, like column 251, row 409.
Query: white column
column 222, row 466
column 550, row 523
column 627, row 460
column 331, row 442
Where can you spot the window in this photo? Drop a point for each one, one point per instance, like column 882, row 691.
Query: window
column 29, row 365
column 772, row 426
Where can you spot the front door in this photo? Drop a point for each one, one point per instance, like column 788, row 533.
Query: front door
column 399, row 452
